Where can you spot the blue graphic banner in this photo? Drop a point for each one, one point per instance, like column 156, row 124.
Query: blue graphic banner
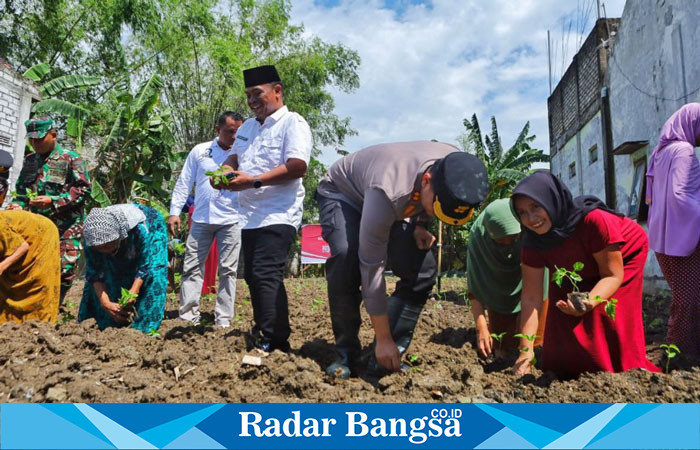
column 349, row 426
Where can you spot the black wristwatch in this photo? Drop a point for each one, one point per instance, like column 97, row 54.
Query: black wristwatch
column 257, row 183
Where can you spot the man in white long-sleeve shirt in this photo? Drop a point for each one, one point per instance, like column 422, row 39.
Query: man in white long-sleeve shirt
column 215, row 216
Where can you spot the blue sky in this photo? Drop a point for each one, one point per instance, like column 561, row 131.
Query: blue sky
column 428, row 65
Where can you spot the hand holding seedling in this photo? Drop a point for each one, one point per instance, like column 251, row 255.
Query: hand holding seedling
column 577, row 304
column 218, row 178
column 527, row 354
column 127, row 299
column 40, row 201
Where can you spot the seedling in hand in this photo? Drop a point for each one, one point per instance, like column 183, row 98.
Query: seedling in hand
column 126, row 298
column 610, row 305
column 577, row 298
column 531, row 338
column 218, row 177
column 671, row 352
column 31, row 195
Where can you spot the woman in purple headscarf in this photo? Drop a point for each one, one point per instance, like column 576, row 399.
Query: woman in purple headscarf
column 673, row 195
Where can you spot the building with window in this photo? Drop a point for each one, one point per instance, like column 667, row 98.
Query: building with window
column 606, row 113
column 16, row 96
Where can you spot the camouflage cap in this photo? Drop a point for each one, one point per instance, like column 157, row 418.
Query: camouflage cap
column 38, row 127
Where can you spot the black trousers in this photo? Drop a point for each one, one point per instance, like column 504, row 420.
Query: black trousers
column 417, row 270
column 265, row 253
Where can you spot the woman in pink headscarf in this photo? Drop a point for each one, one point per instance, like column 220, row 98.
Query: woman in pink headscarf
column 673, row 195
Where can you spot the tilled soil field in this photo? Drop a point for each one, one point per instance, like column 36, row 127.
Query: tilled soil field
column 71, row 362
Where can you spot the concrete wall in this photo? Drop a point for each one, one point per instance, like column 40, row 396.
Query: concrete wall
column 647, row 57
column 590, row 177
column 653, row 70
column 16, row 94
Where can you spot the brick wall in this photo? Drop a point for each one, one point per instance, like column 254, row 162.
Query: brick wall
column 575, row 100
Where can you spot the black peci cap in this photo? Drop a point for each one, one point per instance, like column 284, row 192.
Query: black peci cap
column 461, row 183
column 260, row 75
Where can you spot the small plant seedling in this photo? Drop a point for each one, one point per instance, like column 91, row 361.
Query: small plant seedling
column 218, row 177
column 560, row 274
column 126, row 297
column 179, row 248
column 531, row 338
column 576, row 297
column 671, row 352
column 178, row 278
column 238, row 318
column 317, row 303
column 414, row 359
column 153, row 333
column 31, row 195
column 67, row 317
column 610, row 305
column 499, row 337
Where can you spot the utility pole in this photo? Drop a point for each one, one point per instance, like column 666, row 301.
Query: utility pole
column 599, row 14
column 549, row 61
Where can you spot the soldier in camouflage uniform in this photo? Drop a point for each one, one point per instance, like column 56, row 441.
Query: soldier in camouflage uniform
column 54, row 183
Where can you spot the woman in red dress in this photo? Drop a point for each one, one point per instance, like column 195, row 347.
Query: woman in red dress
column 558, row 232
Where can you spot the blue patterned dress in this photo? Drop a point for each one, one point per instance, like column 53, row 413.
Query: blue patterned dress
column 143, row 254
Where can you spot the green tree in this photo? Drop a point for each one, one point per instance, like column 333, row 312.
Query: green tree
column 201, row 49
column 505, row 168
column 136, row 158
column 53, row 93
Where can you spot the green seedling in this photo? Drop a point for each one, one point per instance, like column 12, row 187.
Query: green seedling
column 238, row 318
column 179, row 248
column 414, row 361
column 560, row 274
column 671, row 352
column 610, row 305
column 178, row 278
column 126, row 298
column 317, row 303
column 499, row 337
column 576, row 297
column 67, row 317
column 31, row 195
column 218, row 177
column 153, row 333
column 531, row 338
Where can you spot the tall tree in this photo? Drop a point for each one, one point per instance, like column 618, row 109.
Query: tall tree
column 203, row 46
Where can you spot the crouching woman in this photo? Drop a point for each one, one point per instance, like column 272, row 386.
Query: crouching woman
column 126, row 247
column 559, row 231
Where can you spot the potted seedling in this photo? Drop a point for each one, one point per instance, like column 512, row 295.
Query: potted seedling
column 671, row 352
column 577, row 298
column 218, row 177
column 531, row 338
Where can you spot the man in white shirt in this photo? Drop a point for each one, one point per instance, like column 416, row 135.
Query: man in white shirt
column 215, row 216
column 271, row 155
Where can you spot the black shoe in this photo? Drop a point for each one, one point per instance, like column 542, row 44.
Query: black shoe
column 343, row 367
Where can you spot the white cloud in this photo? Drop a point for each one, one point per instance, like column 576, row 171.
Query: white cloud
column 427, row 68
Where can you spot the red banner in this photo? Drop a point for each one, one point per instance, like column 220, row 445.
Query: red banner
column 314, row 250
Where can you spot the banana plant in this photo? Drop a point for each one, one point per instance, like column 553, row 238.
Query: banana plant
column 137, row 156
column 52, row 92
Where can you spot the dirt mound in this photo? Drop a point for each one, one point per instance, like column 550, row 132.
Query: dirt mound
column 72, row 362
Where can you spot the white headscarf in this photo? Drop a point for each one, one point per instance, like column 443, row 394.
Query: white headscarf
column 103, row 225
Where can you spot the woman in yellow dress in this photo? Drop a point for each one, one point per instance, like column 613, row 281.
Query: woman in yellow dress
column 30, row 265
